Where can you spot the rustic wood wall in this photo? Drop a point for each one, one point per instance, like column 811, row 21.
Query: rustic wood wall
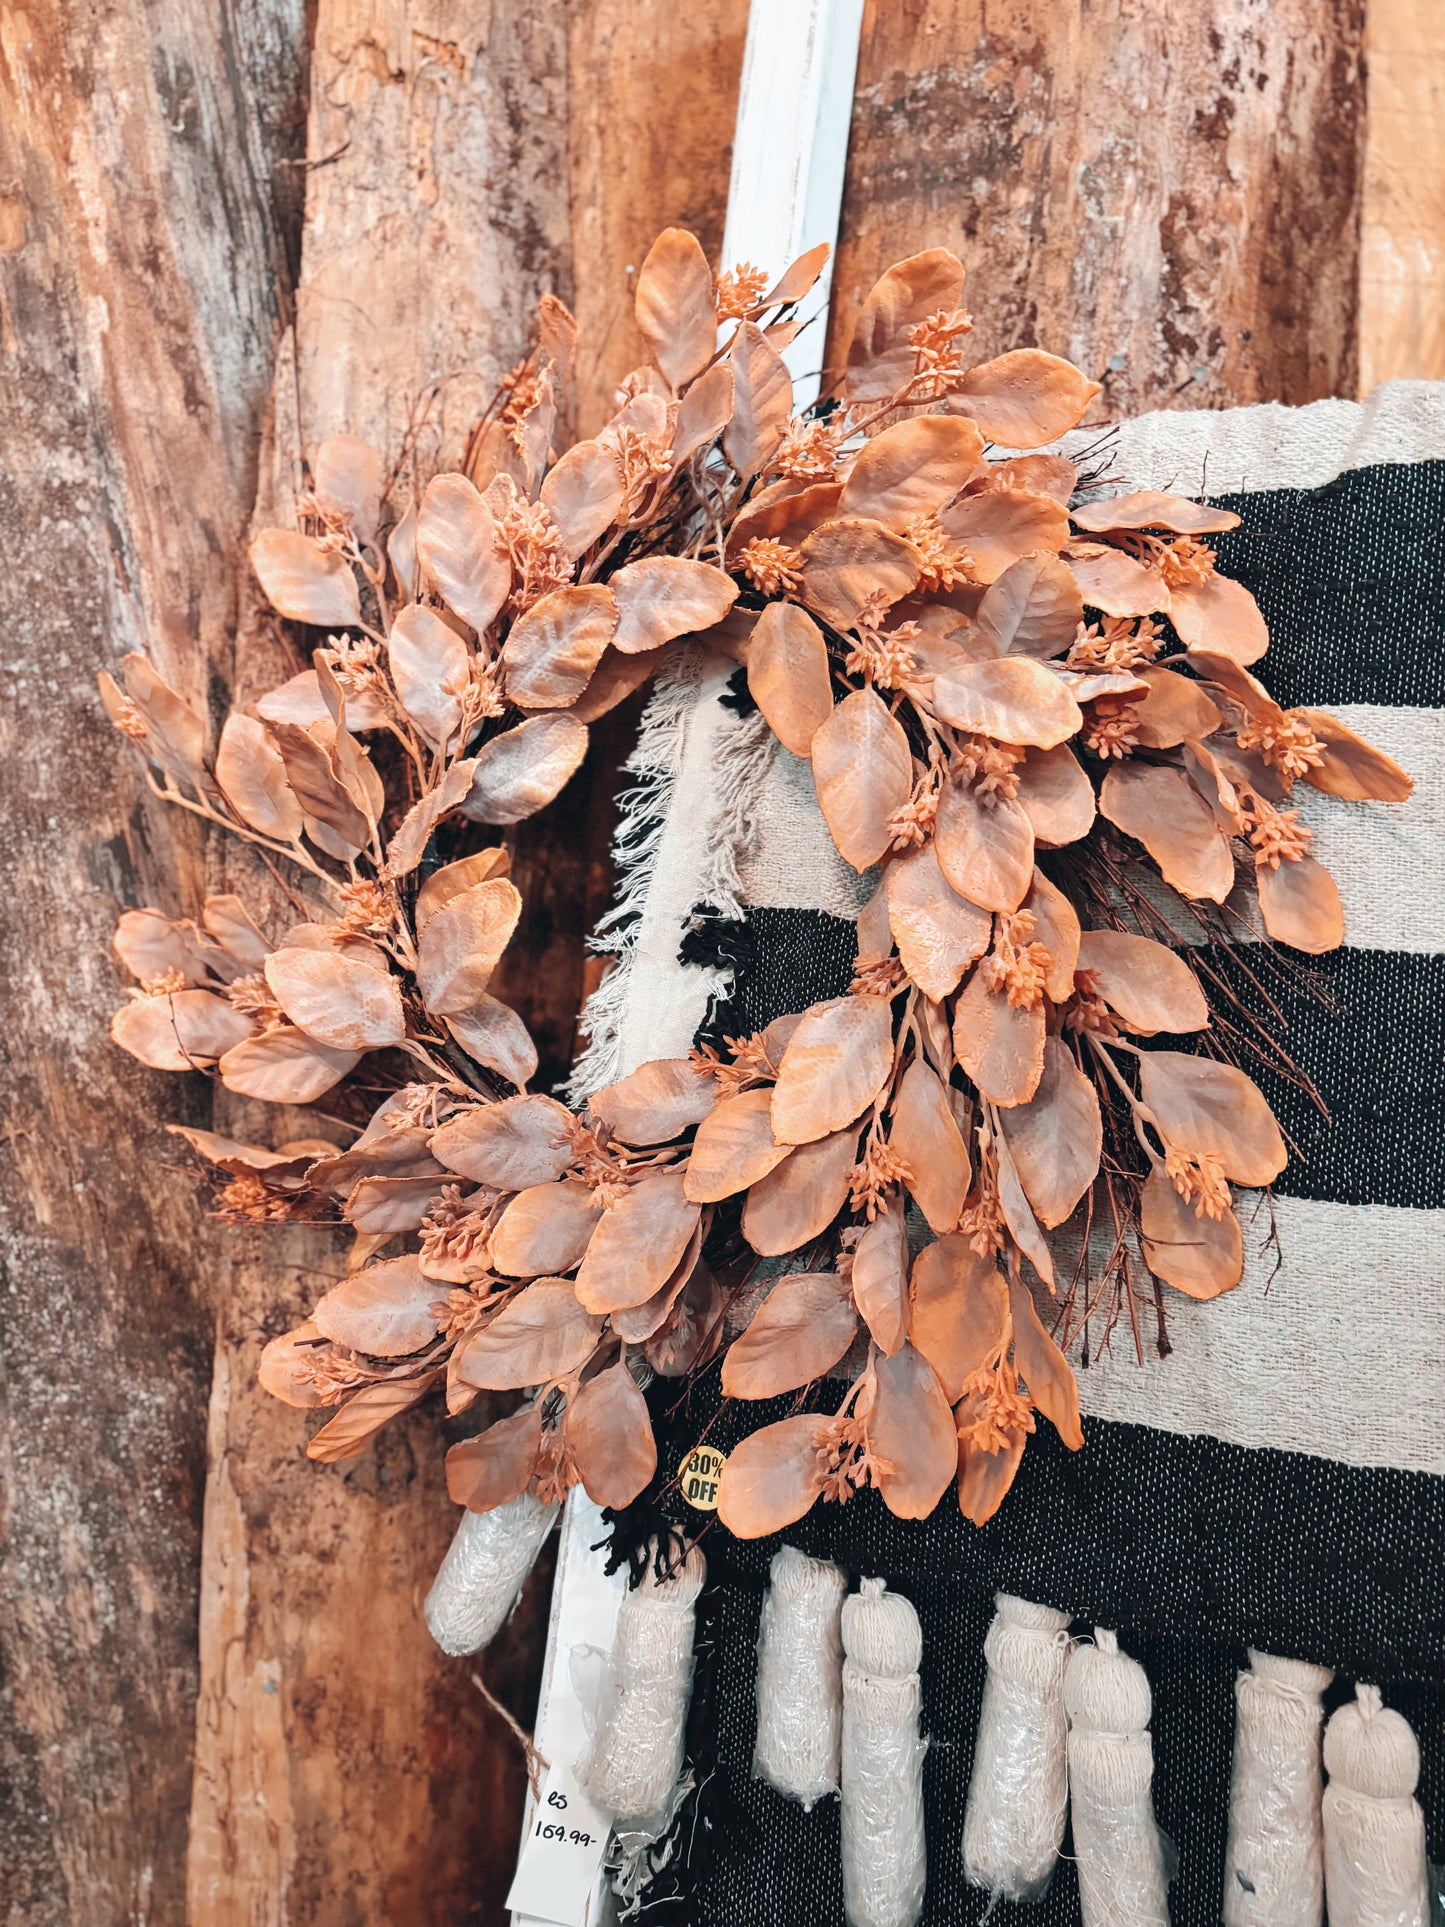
column 1204, row 205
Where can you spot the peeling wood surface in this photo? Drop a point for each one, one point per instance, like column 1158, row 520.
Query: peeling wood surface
column 1166, row 193
column 1402, row 239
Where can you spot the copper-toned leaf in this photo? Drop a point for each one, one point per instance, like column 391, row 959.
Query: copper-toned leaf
column 1163, row 810
column 911, row 469
column 1056, row 927
column 1199, row 1256
column 305, row 581
column 231, row 924
column 1000, row 526
column 151, row 944
column 584, row 495
column 911, row 1435
column 938, row 932
column 1219, row 614
column 458, row 949
column 1055, row 795
column 609, row 1434
column 382, row 1150
column 380, row 1207
column 665, row 596
column 453, row 878
column 545, row 1230
column 881, row 359
column 674, row 303
column 1018, row 1214
column 337, row 1001
column 692, row 1330
column 984, row 1478
column 999, row 1044
column 788, row 511
column 705, row 411
column 428, row 661
column 175, row 733
column 1051, row 475
column 408, row 842
column 800, row 1331
column 401, row 553
column 511, row 1145
column 252, row 777
column 656, row 1102
column 346, row 479
column 613, row 681
column 1025, row 398
column 959, row 1302
column 799, row 1198
column 364, row 1414
column 762, row 401
column 797, row 278
column 924, row 1134
column 1300, row 905
column 542, row 1334
column 1210, row 1109
column 638, row 1323
column 846, row 563
column 286, row 1367
column 181, row 1030
column 734, row 1147
column 1149, row 987
column 456, row 545
column 493, row 1468
column 492, row 1034
column 312, row 773
column 1013, row 699
column 985, row 848
column 788, row 675
column 1114, row 582
column 289, row 1163
column 299, row 700
column 1055, row 1140
column 1045, row 1370
column 285, row 1067
column 880, row 1277
column 386, row 1311
column 835, row 1065
column 1175, row 708
column 551, row 651
column 863, row 772
column 1152, row 508
column 637, row 1246
column 1352, row 767
column 518, row 773
column 1032, row 609
column 772, row 1478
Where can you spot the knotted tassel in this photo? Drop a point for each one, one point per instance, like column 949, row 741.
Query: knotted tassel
column 1274, row 1868
column 481, row 1577
column 800, row 1677
column 1375, row 1870
column 636, row 1752
column 1111, row 1765
column 1019, row 1790
column 884, row 1864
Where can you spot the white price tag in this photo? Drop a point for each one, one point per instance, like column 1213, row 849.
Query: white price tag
column 556, row 1873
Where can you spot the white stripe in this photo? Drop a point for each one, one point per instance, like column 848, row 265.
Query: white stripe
column 1340, row 1353
column 792, row 863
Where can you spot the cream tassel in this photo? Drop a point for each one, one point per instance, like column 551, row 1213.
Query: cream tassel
column 1111, row 1765
column 884, row 1864
column 636, row 1752
column 800, row 1677
column 481, row 1578
column 1375, row 1870
column 1274, row 1870
column 1019, row 1789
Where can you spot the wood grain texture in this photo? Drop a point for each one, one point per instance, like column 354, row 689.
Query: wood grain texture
column 1166, row 193
column 1402, row 236
column 141, row 239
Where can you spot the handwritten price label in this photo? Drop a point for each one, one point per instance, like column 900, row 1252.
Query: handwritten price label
column 557, row 1872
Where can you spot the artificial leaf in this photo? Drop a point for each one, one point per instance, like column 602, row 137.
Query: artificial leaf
column 545, row 1230
column 911, row 469
column 881, row 359
column 457, row 548
column 609, row 1435
column 880, row 1277
column 613, row 681
column 1055, row 795
column 408, row 843
column 1032, row 609
column 252, row 778
column 458, row 949
column 1056, row 927
column 390, row 1152
column 1208, row 1109
column 583, row 494
column 1162, row 809
column 346, row 480
column 230, row 923
column 787, row 511
column 511, row 1145
column 799, row 1198
column 1056, row 1139
column 656, row 1102
column 705, row 411
column 863, row 773
column 1352, row 767
column 1025, row 398
column 911, row 1435
column 1045, row 1370
column 1018, row 1214
column 401, row 553
column 380, row 1207
column 179, row 1030
column 541, row 1335
column 364, row 1414
column 762, row 402
column 1300, row 905
column 800, row 1331
column 1051, row 475
column 1000, row 526
column 1147, row 986
column 151, row 944
column 788, row 675
column 1012, row 699
column 1115, row 583
column 734, row 1147
column 430, row 669
column 299, row 700
column 493, row 1035
column 797, row 278
column 637, row 1246
column 938, row 932
column 926, row 1137
column 836, row 1062
column 314, row 778
column 848, row 564
column 494, row 1467
column 551, row 651
column 674, row 303
column 984, row 1478
column 985, row 847
column 336, row 1000
column 637, row 1323
column 1152, row 508
column 287, row 1366
column 1221, row 615
column 1000, row 1045
column 665, row 596
column 285, row 1067
column 518, row 773
column 957, row 1318
column 305, row 581
column 1199, row 1256
column 175, row 733
column 453, row 878
column 773, row 1477
column 692, row 1330
column 385, row 1311
column 1174, row 709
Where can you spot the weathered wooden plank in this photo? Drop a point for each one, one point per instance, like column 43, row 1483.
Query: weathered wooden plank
column 1167, row 193
column 141, row 237
column 1402, row 223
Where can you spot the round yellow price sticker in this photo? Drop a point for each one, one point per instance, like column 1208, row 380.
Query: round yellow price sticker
column 698, row 1477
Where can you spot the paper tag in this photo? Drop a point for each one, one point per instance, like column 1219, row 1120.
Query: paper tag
column 698, row 1476
column 557, row 1868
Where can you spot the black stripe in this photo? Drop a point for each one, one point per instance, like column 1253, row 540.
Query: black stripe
column 1367, row 1026
column 1351, row 580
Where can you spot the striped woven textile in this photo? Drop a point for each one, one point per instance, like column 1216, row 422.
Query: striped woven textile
column 1278, row 1478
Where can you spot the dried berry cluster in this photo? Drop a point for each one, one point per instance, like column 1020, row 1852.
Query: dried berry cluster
column 1036, row 722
